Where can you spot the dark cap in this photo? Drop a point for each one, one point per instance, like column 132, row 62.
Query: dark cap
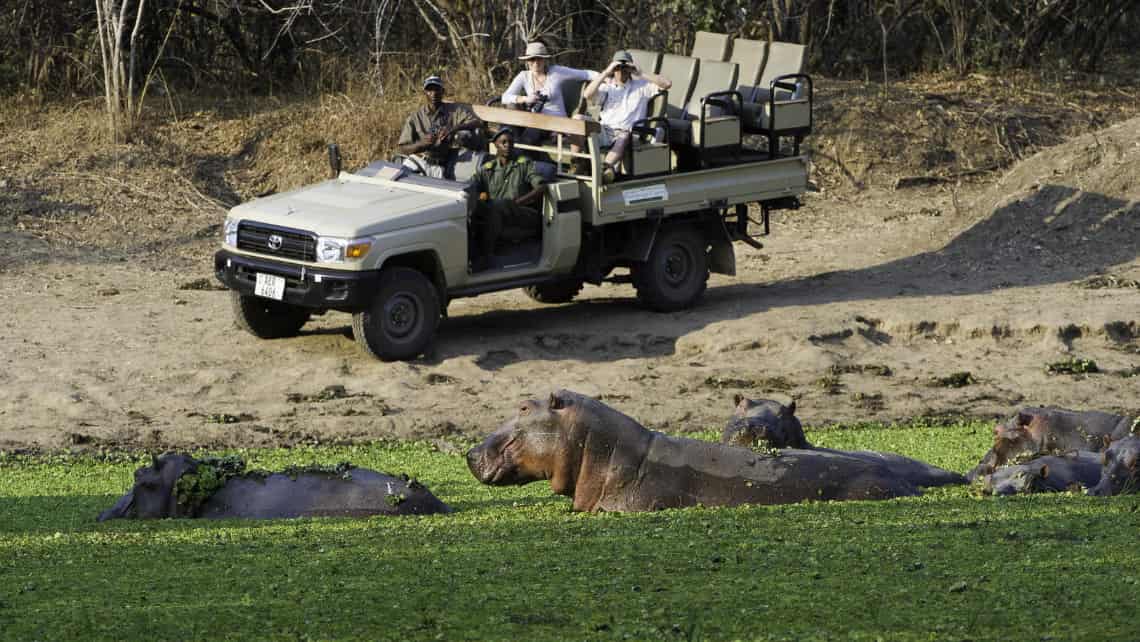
column 624, row 57
column 433, row 80
column 503, row 130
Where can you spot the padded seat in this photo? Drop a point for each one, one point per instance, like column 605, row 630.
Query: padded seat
column 710, row 46
column 646, row 60
column 711, row 117
column 779, row 101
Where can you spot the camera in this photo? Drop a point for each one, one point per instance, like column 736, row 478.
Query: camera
column 539, row 104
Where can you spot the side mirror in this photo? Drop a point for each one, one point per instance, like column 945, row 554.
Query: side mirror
column 334, row 159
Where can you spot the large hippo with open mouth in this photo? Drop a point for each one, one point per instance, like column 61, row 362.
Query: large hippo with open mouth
column 1046, row 474
column 1119, row 474
column 176, row 485
column 1050, row 431
column 763, row 423
column 606, row 461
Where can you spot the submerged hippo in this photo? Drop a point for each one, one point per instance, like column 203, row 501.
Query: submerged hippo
column 767, row 423
column 176, row 485
column 606, row 461
column 764, row 423
column 1119, row 474
column 1050, row 431
column 1047, row 474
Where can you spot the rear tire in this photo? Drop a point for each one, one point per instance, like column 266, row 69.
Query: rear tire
column 562, row 291
column 402, row 318
column 266, row 318
column 676, row 272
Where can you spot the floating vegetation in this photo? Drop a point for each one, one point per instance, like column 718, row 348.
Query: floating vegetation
column 871, row 369
column 195, row 488
column 334, row 391
column 719, row 382
column 1072, row 366
column 868, row 400
column 829, row 384
column 955, row 380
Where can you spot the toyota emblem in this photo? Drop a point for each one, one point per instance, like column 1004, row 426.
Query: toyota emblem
column 274, row 241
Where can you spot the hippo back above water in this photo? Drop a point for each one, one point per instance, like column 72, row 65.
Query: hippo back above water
column 763, row 423
column 160, row 491
column 1046, row 474
column 607, row 461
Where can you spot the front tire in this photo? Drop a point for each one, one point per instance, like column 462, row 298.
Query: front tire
column 402, row 318
column 562, row 291
column 676, row 272
column 266, row 318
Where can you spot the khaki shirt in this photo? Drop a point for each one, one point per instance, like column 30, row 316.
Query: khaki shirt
column 505, row 182
column 422, row 124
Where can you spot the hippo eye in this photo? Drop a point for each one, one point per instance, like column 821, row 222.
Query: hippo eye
column 524, row 410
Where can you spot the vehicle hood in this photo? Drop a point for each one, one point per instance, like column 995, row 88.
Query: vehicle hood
column 352, row 207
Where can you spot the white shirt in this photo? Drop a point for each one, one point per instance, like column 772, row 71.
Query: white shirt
column 623, row 105
column 555, row 76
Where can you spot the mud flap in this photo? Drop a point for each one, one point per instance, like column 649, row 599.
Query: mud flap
column 722, row 258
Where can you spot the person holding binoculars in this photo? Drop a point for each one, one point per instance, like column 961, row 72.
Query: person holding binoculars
column 624, row 91
column 539, row 87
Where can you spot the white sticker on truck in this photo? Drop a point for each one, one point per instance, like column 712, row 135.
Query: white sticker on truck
column 646, row 194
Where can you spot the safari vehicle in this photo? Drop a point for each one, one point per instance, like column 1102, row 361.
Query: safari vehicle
column 393, row 248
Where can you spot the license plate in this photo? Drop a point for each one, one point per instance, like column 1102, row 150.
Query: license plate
column 269, row 286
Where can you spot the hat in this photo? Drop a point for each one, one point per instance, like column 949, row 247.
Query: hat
column 503, row 130
column 535, row 50
column 433, row 80
column 623, row 56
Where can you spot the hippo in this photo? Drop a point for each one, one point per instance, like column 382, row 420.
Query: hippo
column 764, row 423
column 1050, row 431
column 1047, row 474
column 767, row 423
column 176, row 485
column 1119, row 474
column 607, row 461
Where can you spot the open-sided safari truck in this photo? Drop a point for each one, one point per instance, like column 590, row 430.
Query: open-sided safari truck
column 393, row 248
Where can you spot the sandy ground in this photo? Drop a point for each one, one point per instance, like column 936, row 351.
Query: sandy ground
column 857, row 306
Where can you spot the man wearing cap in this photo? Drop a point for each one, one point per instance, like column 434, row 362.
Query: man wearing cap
column 432, row 134
column 624, row 91
column 503, row 203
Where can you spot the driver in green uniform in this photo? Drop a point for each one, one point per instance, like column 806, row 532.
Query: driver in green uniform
column 506, row 187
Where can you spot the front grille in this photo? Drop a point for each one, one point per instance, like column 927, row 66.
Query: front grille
column 295, row 244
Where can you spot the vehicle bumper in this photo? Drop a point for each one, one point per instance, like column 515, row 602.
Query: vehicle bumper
column 304, row 286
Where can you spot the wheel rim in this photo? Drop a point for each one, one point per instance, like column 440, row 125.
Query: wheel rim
column 401, row 315
column 677, row 265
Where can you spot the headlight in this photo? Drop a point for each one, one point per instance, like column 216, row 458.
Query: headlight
column 229, row 232
column 331, row 249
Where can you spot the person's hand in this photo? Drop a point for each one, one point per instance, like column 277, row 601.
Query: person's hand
column 634, row 70
column 529, row 99
column 441, row 135
column 611, row 69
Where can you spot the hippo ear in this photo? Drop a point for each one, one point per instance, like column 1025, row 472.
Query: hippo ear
column 556, row 402
column 790, row 409
column 155, row 462
column 737, row 398
column 1044, row 471
column 1106, row 441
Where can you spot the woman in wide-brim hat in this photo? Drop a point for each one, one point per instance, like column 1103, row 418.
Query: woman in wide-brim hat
column 542, row 79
